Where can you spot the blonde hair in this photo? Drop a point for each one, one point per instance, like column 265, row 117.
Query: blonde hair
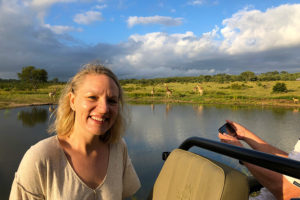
column 65, row 116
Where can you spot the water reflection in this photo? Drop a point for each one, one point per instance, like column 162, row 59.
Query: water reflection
column 168, row 108
column 295, row 110
column 6, row 113
column 51, row 108
column 152, row 107
column 280, row 112
column 32, row 117
column 198, row 109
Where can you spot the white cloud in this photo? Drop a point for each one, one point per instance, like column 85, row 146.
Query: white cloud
column 196, row 2
column 254, row 30
column 163, row 20
column 62, row 29
column 46, row 3
column 181, row 46
column 88, row 17
column 160, row 54
column 41, row 7
column 100, row 7
column 249, row 40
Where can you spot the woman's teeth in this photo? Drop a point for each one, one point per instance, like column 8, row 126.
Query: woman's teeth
column 98, row 119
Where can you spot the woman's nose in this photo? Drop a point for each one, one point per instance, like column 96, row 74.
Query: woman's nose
column 102, row 106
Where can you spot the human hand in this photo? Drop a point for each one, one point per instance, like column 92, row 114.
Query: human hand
column 229, row 139
column 241, row 131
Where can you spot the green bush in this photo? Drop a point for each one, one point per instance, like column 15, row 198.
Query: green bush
column 279, row 87
column 236, row 86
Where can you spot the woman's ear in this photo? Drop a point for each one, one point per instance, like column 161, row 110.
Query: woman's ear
column 72, row 100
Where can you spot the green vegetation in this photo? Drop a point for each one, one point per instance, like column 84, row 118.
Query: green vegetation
column 32, row 77
column 220, row 78
column 246, row 88
column 279, row 87
column 216, row 93
column 13, row 94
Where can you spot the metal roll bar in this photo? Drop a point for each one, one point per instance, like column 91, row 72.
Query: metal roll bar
column 275, row 163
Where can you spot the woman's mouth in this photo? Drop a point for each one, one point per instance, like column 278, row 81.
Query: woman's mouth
column 99, row 119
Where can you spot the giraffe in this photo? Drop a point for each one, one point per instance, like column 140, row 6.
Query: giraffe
column 152, row 92
column 295, row 100
column 168, row 92
column 200, row 90
column 195, row 89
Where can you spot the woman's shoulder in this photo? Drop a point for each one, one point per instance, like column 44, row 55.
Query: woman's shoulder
column 42, row 151
column 36, row 159
column 120, row 144
column 45, row 147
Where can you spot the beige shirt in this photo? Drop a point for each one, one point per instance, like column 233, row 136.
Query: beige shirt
column 45, row 173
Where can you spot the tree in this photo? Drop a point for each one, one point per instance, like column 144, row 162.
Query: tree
column 26, row 74
column 40, row 75
column 207, row 78
column 33, row 76
column 279, row 87
column 283, row 72
column 248, row 76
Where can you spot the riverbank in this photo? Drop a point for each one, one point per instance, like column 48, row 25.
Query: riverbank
column 237, row 93
column 264, row 103
column 4, row 105
column 270, row 103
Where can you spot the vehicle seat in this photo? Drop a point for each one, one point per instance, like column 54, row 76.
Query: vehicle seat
column 188, row 176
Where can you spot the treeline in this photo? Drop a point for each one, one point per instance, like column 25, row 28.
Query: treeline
column 26, row 79
column 29, row 78
column 220, row 78
column 13, row 84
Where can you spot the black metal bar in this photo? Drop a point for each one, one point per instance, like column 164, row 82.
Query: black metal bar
column 275, row 163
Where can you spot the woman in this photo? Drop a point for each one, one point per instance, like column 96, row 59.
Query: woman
column 276, row 186
column 87, row 159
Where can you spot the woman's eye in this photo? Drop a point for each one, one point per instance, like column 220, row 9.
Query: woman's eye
column 92, row 97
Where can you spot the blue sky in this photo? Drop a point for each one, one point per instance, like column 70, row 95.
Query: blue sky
column 146, row 39
column 112, row 25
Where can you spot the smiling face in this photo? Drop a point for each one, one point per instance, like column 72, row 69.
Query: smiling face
column 96, row 104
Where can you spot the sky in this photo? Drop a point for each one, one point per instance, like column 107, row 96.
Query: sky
column 150, row 39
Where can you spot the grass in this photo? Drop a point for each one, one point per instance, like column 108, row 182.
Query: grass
column 15, row 98
column 254, row 93
column 237, row 93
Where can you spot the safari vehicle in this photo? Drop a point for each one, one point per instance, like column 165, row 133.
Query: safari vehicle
column 189, row 176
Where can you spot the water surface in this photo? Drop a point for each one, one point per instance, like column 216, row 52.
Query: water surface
column 152, row 130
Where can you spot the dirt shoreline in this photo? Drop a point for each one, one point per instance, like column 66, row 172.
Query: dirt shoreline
column 276, row 103
column 17, row 105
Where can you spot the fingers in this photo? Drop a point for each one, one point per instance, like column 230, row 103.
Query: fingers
column 239, row 129
column 229, row 139
column 226, row 136
column 232, row 123
column 229, row 121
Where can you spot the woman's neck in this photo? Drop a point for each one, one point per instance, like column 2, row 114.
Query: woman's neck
column 84, row 143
